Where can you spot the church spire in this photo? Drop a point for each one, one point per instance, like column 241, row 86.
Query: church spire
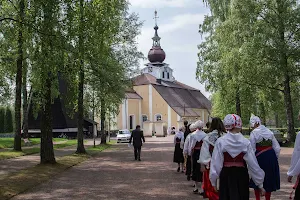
column 156, row 38
column 156, row 53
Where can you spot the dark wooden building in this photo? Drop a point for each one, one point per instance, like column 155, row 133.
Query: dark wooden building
column 63, row 122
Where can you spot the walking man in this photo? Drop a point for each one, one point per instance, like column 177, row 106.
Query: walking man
column 138, row 138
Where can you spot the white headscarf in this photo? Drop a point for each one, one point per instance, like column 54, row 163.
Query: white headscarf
column 198, row 124
column 254, row 120
column 192, row 127
column 232, row 121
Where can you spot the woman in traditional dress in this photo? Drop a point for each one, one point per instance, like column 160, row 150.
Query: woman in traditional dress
column 267, row 150
column 188, row 160
column 215, row 130
column 173, row 130
column 178, row 152
column 295, row 166
column 231, row 156
column 196, row 140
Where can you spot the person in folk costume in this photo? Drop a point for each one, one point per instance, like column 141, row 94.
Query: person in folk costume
column 295, row 166
column 187, row 130
column 173, row 130
column 267, row 150
column 231, row 156
column 178, row 152
column 188, row 161
column 207, row 127
column 216, row 130
column 196, row 140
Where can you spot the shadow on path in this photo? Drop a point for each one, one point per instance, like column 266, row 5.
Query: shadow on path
column 115, row 175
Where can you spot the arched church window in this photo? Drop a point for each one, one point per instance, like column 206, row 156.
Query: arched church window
column 158, row 117
column 163, row 74
column 168, row 75
column 145, row 118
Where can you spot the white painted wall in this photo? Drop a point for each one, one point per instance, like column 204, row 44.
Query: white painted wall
column 123, row 114
column 140, row 113
column 178, row 119
column 150, row 104
column 169, row 117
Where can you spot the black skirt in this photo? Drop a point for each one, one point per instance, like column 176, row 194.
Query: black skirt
column 197, row 174
column 234, row 183
column 188, row 171
column 178, row 154
column 297, row 192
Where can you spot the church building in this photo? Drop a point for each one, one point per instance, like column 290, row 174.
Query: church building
column 157, row 97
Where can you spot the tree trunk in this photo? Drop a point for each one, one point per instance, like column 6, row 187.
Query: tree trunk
column 103, row 134
column 25, row 104
column 282, row 9
column 289, row 109
column 47, row 152
column 263, row 113
column 17, row 140
column 80, row 145
column 238, row 102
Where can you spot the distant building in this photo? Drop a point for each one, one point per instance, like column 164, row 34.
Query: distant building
column 157, row 96
column 62, row 119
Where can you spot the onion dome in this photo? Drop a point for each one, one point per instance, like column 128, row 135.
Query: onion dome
column 156, row 53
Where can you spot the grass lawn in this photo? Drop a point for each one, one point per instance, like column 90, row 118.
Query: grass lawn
column 13, row 154
column 33, row 150
column 9, row 142
column 13, row 184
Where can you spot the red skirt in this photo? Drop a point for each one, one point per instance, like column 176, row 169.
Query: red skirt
column 208, row 188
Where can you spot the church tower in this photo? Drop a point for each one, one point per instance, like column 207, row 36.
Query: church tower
column 156, row 56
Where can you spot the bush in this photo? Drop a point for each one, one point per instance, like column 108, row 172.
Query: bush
column 2, row 119
column 8, row 121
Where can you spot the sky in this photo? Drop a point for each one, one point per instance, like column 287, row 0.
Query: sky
column 178, row 28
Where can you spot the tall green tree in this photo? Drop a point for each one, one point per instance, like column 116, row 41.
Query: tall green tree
column 13, row 18
column 267, row 36
column 45, row 68
column 80, row 145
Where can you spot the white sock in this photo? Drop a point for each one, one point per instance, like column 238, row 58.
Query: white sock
column 200, row 186
column 196, row 185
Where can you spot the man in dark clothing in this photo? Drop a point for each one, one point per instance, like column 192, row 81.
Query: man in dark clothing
column 138, row 138
column 187, row 130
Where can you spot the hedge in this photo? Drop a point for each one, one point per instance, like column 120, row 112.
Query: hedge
column 8, row 121
column 2, row 119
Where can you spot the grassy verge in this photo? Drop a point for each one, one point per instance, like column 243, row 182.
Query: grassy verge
column 13, row 184
column 9, row 142
column 12, row 154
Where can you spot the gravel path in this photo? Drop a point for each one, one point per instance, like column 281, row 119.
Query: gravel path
column 115, row 175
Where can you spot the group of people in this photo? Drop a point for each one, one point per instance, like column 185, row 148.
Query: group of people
column 223, row 163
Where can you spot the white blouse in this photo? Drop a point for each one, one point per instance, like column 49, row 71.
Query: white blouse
column 210, row 139
column 295, row 162
column 179, row 135
column 186, row 144
column 197, row 136
column 234, row 144
column 260, row 133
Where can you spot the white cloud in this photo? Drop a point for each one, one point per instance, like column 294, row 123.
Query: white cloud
column 176, row 23
column 163, row 3
column 180, row 21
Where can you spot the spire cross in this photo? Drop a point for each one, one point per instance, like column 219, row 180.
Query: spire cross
column 155, row 17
